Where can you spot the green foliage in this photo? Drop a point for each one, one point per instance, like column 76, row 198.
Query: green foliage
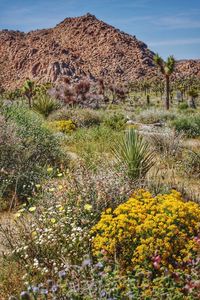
column 45, row 105
column 193, row 93
column 103, row 281
column 189, row 125
column 115, row 121
column 27, row 147
column 28, row 90
column 93, row 144
column 81, row 117
column 166, row 67
column 134, row 155
column 183, row 106
column 12, row 95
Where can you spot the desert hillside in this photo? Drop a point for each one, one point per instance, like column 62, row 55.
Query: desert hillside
column 77, row 47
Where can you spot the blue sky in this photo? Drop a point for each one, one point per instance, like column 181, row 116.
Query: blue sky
column 168, row 27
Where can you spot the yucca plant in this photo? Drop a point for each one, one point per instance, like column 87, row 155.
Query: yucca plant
column 45, row 105
column 133, row 153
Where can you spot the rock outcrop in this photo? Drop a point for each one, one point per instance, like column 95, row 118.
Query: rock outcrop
column 77, row 47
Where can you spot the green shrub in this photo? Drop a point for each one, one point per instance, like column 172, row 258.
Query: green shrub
column 183, row 106
column 115, row 121
column 45, row 105
column 81, row 117
column 189, row 125
column 27, row 147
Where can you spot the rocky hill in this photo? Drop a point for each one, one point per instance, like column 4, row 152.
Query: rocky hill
column 77, row 47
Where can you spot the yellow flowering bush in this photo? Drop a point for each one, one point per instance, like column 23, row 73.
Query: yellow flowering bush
column 65, row 126
column 149, row 232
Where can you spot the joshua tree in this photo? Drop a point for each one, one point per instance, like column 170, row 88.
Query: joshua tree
column 28, row 90
column 166, row 68
column 193, row 95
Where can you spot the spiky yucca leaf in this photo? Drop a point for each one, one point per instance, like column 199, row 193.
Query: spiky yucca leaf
column 45, row 105
column 134, row 154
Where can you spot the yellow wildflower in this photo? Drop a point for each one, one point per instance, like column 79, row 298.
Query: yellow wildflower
column 88, row 207
column 32, row 208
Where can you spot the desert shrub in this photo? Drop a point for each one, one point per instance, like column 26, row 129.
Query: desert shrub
column 45, row 105
column 168, row 143
column 134, row 155
column 81, row 117
column 183, row 106
column 152, row 233
column 115, row 121
column 154, row 116
column 192, row 164
column 65, row 126
column 189, row 125
column 27, row 147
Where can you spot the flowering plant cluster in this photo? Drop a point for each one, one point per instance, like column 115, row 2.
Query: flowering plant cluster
column 152, row 233
column 104, row 281
column 53, row 237
column 65, row 126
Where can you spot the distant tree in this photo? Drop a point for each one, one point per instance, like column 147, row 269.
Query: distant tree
column 29, row 91
column 166, row 68
column 193, row 95
column 82, row 88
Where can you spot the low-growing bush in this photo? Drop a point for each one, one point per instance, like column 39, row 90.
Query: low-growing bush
column 168, row 143
column 64, row 126
column 183, row 106
column 151, row 233
column 189, row 125
column 115, row 121
column 103, row 281
column 153, row 115
column 81, row 117
column 27, row 147
column 192, row 164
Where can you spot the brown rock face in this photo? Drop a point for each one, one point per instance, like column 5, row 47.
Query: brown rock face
column 77, row 47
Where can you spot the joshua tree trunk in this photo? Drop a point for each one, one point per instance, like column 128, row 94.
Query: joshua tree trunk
column 191, row 102
column 29, row 101
column 167, row 91
column 148, row 99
